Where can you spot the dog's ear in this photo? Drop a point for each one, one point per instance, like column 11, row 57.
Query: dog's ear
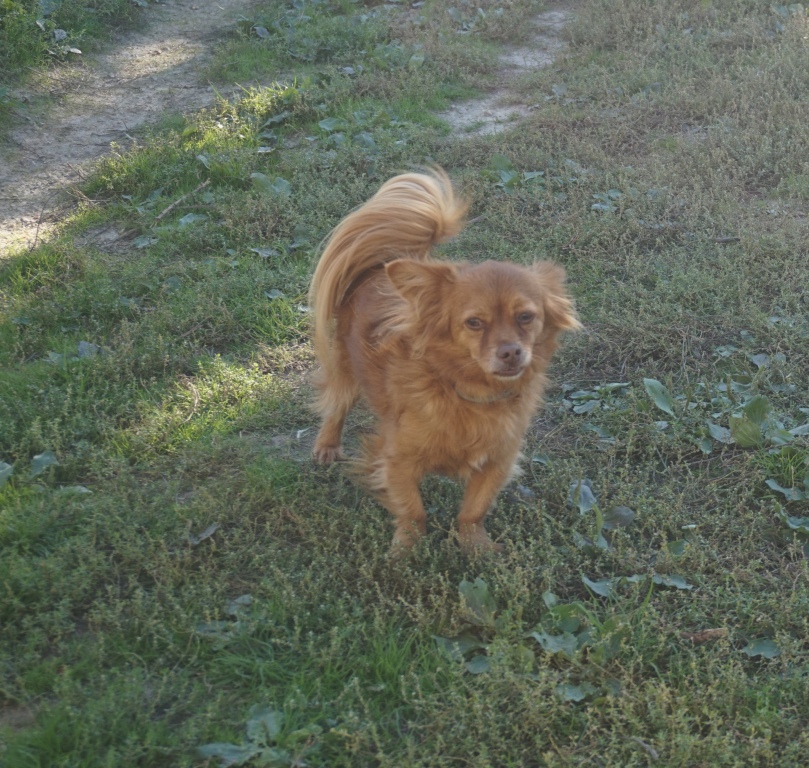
column 420, row 283
column 559, row 309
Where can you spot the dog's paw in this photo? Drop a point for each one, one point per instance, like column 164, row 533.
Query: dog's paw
column 475, row 541
column 328, row 454
column 405, row 538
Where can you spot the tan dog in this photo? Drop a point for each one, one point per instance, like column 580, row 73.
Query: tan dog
column 449, row 356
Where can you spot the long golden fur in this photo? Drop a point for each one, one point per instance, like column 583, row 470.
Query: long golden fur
column 450, row 357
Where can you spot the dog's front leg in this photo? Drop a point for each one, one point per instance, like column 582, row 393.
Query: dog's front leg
column 399, row 483
column 481, row 490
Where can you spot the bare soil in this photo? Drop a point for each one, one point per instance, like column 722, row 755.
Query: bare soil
column 495, row 111
column 100, row 100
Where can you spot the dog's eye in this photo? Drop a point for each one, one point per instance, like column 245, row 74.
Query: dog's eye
column 474, row 323
column 525, row 317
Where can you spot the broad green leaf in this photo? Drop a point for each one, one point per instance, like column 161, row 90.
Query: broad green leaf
column 605, row 587
column 760, row 360
column 77, row 490
column 800, row 431
column 479, row 601
column 677, row 548
column 581, row 495
column 791, row 494
column 173, row 283
column 365, row 140
column 276, row 187
column 584, row 394
column 746, row 433
column 264, row 725
column 457, row 647
column 192, row 218
column 549, row 599
column 779, row 436
column 262, row 182
column 144, row 241
column 635, row 578
column 501, row 163
column 238, row 605
column 722, row 434
column 304, row 733
column 228, row 754
column 800, row 524
column 566, row 643
column 333, row 124
column 570, row 692
column 570, row 624
column 281, row 187
column 195, row 539
column 47, row 7
column 478, row 665
column 618, row 517
column 265, row 253
column 765, row 648
column 660, row 396
column 6, row 471
column 613, row 386
column 508, row 178
column 88, row 349
column 567, row 616
column 277, row 119
column 671, row 580
column 602, row 432
column 41, row 462
column 757, row 409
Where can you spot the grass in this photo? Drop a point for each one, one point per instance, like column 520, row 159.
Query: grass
column 38, row 34
column 177, row 574
column 27, row 29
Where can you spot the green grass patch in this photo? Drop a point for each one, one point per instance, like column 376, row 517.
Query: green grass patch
column 36, row 33
column 183, row 587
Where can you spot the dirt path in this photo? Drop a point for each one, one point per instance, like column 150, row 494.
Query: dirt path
column 498, row 109
column 158, row 70
column 145, row 74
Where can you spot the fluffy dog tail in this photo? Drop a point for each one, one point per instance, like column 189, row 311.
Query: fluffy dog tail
column 404, row 219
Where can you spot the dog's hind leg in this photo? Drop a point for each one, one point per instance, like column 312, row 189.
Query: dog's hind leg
column 338, row 393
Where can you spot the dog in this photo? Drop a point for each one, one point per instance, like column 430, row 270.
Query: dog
column 450, row 357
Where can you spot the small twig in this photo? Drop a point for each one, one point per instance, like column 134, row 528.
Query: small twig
column 79, row 195
column 191, row 330
column 178, row 201
column 41, row 216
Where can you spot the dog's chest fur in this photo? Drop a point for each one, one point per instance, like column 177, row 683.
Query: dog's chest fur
column 435, row 408
column 429, row 422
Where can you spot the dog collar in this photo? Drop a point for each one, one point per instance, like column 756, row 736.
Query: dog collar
column 505, row 395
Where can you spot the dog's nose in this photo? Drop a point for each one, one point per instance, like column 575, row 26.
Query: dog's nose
column 509, row 353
